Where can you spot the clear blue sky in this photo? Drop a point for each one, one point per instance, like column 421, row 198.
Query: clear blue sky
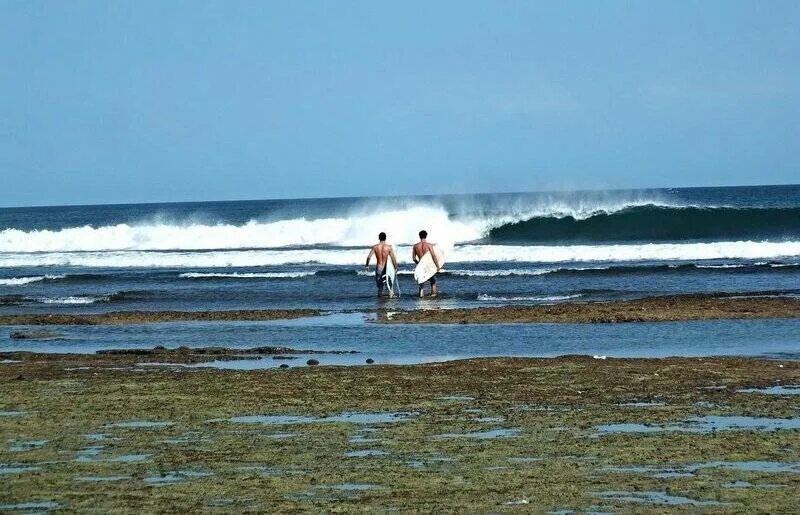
column 133, row 101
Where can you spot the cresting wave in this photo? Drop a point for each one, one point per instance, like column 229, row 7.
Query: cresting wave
column 748, row 250
column 358, row 228
column 22, row 281
column 655, row 223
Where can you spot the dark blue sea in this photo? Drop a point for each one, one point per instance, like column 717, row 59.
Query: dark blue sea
column 516, row 248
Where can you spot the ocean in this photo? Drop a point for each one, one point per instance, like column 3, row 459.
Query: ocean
column 516, row 248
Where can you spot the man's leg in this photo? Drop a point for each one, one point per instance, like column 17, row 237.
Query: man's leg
column 434, row 288
column 380, row 278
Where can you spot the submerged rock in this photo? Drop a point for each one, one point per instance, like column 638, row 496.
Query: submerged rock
column 312, row 362
column 35, row 335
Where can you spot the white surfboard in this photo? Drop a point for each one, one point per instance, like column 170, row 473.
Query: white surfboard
column 426, row 267
column 391, row 278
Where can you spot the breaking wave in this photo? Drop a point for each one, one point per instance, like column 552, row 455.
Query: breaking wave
column 21, row 281
column 655, row 223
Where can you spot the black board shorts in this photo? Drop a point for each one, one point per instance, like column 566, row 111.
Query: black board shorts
column 380, row 276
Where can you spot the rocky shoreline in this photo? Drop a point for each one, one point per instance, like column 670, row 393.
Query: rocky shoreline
column 651, row 309
column 107, row 432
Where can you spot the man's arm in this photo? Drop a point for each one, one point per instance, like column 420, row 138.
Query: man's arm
column 369, row 256
column 414, row 257
column 433, row 255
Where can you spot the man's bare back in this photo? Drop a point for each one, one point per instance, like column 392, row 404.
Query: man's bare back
column 382, row 252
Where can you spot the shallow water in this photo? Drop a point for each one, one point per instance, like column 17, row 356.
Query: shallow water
column 31, row 505
column 769, row 467
column 654, row 498
column 706, row 424
column 24, row 446
column 483, row 435
column 346, row 417
column 175, row 476
column 365, row 453
column 140, row 424
column 408, row 344
column 17, row 469
column 774, row 390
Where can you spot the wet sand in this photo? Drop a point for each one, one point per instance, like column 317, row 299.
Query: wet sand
column 106, row 432
column 651, row 309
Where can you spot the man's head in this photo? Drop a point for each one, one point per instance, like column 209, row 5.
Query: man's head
column 382, row 236
column 423, row 234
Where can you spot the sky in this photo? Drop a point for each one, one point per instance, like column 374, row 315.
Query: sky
column 146, row 101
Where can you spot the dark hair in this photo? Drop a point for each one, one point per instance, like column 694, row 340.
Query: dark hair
column 423, row 234
column 382, row 236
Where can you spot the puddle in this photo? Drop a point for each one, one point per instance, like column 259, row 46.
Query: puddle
column 31, row 505
column 139, row 424
column 774, row 390
column 769, row 467
column 175, row 476
column 654, row 498
column 188, row 437
column 429, row 462
column 490, row 419
column 88, row 455
column 129, row 458
column 362, row 439
column 705, row 424
column 102, row 479
column 17, row 469
column 347, row 417
column 484, row 435
column 97, row 437
column 12, row 413
column 748, row 484
column 365, row 453
column 272, row 471
column 706, row 404
column 540, row 407
column 641, row 404
column 24, row 446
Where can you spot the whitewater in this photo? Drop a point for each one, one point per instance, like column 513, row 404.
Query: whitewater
column 458, row 254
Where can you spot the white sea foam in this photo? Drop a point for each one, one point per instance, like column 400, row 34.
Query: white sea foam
column 527, row 298
column 500, row 273
column 21, row 281
column 550, row 254
column 72, row 300
column 254, row 275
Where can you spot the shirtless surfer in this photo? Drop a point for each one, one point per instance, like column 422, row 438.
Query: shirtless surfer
column 382, row 252
column 419, row 250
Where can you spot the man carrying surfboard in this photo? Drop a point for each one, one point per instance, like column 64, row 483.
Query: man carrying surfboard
column 417, row 253
column 382, row 252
